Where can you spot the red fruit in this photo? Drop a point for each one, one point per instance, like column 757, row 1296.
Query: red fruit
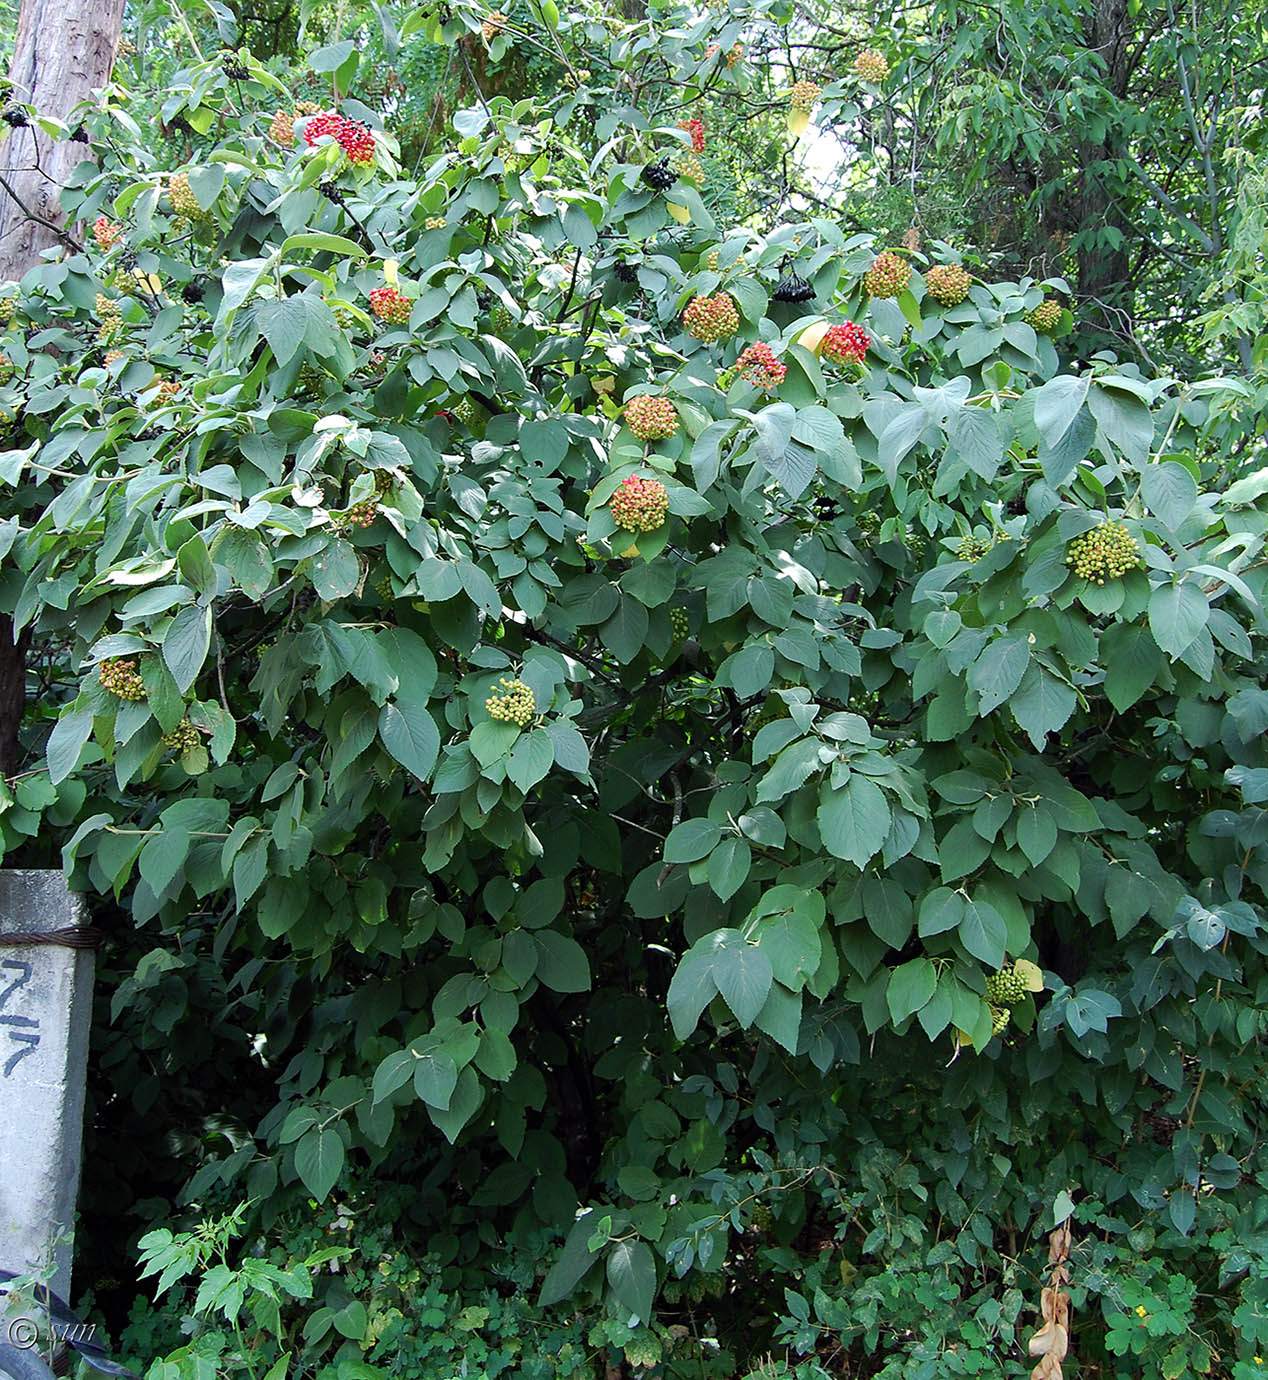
column 105, row 234
column 696, row 129
column 711, row 318
column 651, row 419
column 328, row 122
column 389, row 305
column 845, row 344
column 640, row 505
column 759, row 366
column 888, row 275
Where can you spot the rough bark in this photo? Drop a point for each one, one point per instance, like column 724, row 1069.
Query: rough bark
column 62, row 53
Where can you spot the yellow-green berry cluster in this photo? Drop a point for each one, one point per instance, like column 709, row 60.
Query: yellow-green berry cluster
column 183, row 737
column 1104, row 553
column 1005, row 988
column 493, row 25
column 122, row 678
column 434, row 223
column 109, row 316
column 711, row 318
column 871, row 65
column 888, row 275
column 183, row 200
column 947, row 284
column 464, row 410
column 711, row 261
column 640, row 505
column 1046, row 317
column 679, row 623
column 500, row 319
column 804, row 94
column 999, row 1019
column 514, row 704
column 972, row 548
column 8, row 307
column 651, row 418
column 282, row 129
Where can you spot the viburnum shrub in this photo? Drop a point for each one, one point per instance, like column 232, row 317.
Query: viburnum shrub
column 1107, row 552
column 711, row 318
column 947, row 284
column 651, row 418
column 888, row 275
column 1046, row 317
column 656, row 1016
column 390, row 305
column 639, row 505
column 845, row 344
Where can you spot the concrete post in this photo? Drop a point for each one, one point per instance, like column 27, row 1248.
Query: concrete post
column 45, row 1019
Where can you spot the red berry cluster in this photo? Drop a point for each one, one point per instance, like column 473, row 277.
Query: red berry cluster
column 845, row 344
column 651, row 419
column 354, row 138
column 888, row 275
column 361, row 514
column 389, row 305
column 711, row 318
column 106, row 235
column 759, row 366
column 696, row 129
column 640, row 505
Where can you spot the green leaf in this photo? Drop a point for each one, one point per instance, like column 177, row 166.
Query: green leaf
column 1132, row 663
column 983, row 933
column 780, row 1017
column 335, row 570
column 1177, row 614
column 574, row 1263
column 186, row 644
column 70, row 733
column 1056, row 405
column 910, row 987
column 561, row 962
column 743, row 976
column 997, row 673
column 941, row 910
column 435, row 1078
column 854, row 819
column 1170, row 491
column 691, row 839
column 631, row 1270
column 283, row 325
column 162, row 859
column 691, row 989
column 410, row 734
column 320, row 239
column 319, row 1160
column 463, row 1105
column 728, row 869
column 531, row 758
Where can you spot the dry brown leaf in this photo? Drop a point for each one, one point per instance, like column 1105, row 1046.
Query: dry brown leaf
column 911, row 239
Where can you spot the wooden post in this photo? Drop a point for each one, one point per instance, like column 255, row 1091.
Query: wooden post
column 46, row 972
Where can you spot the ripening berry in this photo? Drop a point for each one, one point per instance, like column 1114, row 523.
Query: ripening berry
column 122, row 678
column 689, row 166
column 711, row 262
column 493, row 26
column 640, row 505
column 111, row 356
column 357, row 142
column 972, row 548
column 1046, row 317
column 389, row 305
column 845, row 344
column 359, row 515
column 804, row 95
column 734, row 54
column 888, row 275
column 711, row 318
column 1105, row 553
column 651, row 419
column 871, row 66
column 183, row 200
column 759, row 366
column 8, row 308
column 106, row 234
column 282, row 129
column 514, row 704
column 947, row 284
column 168, row 389
column 183, row 738
column 319, row 125
column 696, row 129
column 434, row 223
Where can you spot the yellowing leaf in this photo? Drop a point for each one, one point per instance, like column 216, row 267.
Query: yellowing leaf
column 679, row 213
column 812, row 337
column 798, row 122
column 1030, row 973
column 389, row 272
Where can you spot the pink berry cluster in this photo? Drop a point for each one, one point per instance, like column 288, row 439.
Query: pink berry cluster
column 947, row 284
column 389, row 305
column 711, row 318
column 106, row 235
column 354, row 138
column 888, row 275
column 651, row 419
column 845, row 344
column 696, row 129
column 640, row 505
column 759, row 366
column 122, row 678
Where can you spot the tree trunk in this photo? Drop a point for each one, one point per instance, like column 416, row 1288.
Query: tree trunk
column 63, row 53
column 1104, row 273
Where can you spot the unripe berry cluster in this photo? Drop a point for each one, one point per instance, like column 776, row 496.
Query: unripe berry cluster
column 464, row 410
column 122, row 678
column 651, row 419
column 999, row 1019
column 640, row 505
column 973, row 548
column 759, row 366
column 1046, row 317
column 514, row 705
column 689, row 166
column 711, row 318
column 106, row 234
column 109, row 316
column 1006, row 988
column 696, row 129
column 888, row 275
column 354, row 138
column 845, row 344
column 282, row 129
column 360, row 514
column 183, row 200
column 871, row 65
column 947, row 284
column 712, row 260
column 434, row 223
column 8, row 308
column 500, row 319
column 183, row 737
column 679, row 623
column 1104, row 553
column 111, row 356
column 389, row 305
column 804, row 95
column 493, row 26
column 168, row 389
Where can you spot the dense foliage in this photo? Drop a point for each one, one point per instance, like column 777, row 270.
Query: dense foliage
column 575, row 896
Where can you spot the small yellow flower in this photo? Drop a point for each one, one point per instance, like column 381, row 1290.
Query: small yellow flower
column 1141, row 1311
column 1259, row 1360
